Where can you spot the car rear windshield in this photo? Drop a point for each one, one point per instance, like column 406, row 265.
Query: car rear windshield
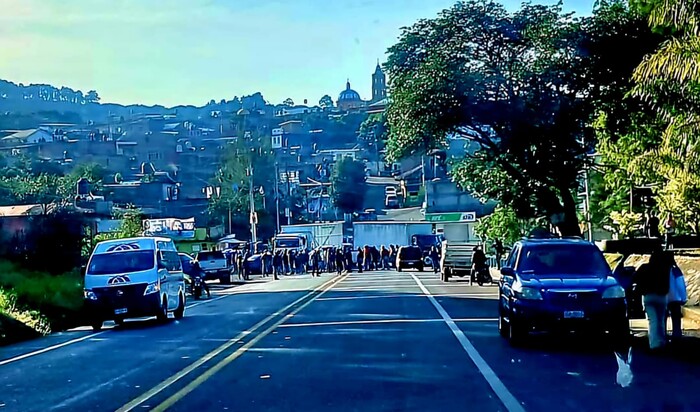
column 201, row 256
column 410, row 253
column 563, row 260
column 121, row 262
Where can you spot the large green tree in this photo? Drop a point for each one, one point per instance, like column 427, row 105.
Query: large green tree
column 669, row 79
column 509, row 82
column 233, row 182
column 349, row 185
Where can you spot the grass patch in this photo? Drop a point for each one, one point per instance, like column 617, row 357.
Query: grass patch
column 41, row 301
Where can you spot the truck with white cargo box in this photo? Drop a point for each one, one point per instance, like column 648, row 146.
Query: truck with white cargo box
column 387, row 233
column 309, row 236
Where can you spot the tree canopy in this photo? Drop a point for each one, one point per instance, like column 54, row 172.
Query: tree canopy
column 508, row 82
column 349, row 185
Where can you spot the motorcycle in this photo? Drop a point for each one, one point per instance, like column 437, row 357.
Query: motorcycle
column 196, row 286
column 481, row 275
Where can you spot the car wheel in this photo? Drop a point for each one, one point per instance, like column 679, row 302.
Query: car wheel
column 225, row 279
column 420, row 268
column 179, row 313
column 119, row 321
column 96, row 325
column 399, row 268
column 517, row 333
column 162, row 315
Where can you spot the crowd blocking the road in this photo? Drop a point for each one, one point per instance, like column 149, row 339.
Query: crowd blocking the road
column 320, row 260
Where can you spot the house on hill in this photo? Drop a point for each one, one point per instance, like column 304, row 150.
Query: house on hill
column 29, row 136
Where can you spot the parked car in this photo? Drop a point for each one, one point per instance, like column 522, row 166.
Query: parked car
column 391, row 201
column 409, row 257
column 559, row 284
column 215, row 265
column 390, row 190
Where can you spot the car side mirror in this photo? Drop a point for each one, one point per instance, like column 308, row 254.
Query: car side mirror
column 507, row 271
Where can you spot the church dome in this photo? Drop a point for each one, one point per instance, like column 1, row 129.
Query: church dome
column 348, row 94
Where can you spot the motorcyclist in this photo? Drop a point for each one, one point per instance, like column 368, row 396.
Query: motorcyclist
column 478, row 262
column 197, row 272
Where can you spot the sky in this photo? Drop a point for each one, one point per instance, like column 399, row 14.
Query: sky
column 191, row 51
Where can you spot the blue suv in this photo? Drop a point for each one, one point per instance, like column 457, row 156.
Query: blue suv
column 558, row 284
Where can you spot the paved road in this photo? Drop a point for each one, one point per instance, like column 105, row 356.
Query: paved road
column 378, row 341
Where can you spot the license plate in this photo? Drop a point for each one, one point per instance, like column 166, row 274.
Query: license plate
column 120, row 311
column 573, row 314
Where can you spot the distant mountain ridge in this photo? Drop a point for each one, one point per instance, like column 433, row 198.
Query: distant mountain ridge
column 23, row 100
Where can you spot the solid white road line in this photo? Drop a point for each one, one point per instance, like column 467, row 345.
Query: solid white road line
column 496, row 384
column 380, row 321
column 91, row 335
column 50, row 348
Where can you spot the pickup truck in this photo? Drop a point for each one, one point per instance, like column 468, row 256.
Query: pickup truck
column 215, row 265
column 456, row 259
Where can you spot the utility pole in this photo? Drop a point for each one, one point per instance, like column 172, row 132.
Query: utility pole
column 230, row 230
column 425, row 189
column 253, row 230
column 277, row 195
column 587, row 204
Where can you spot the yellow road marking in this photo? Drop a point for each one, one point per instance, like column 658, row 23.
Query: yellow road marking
column 199, row 362
column 235, row 355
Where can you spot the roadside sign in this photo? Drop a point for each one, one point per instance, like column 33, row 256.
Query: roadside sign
column 451, row 217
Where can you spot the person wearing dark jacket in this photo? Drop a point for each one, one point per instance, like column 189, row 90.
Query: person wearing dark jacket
column 376, row 256
column 367, row 258
column 360, row 259
column 286, row 262
column 315, row 262
column 277, row 264
column 653, row 284
column 339, row 261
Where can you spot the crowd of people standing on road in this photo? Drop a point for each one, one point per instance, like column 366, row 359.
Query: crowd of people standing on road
column 322, row 259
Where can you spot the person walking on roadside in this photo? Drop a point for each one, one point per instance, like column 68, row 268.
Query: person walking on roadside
column 376, row 256
column 239, row 265
column 267, row 263
column 434, row 258
column 367, row 258
column 315, row 259
column 348, row 260
column 677, row 296
column 285, row 262
column 339, row 260
column 385, row 257
column 500, row 250
column 360, row 259
column 277, row 264
column 394, row 250
column 653, row 282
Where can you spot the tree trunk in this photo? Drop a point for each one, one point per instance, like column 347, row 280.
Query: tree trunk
column 568, row 226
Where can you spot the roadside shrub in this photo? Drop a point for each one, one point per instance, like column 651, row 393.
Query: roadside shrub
column 28, row 318
column 43, row 301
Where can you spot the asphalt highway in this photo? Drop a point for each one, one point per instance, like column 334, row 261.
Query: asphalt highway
column 376, row 341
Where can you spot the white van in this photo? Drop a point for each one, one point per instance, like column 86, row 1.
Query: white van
column 134, row 277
